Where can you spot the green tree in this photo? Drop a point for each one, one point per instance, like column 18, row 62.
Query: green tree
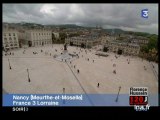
column 153, row 42
column 53, row 38
column 62, row 37
column 153, row 53
column 144, row 49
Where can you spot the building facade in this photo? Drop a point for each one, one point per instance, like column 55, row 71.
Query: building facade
column 10, row 39
column 83, row 41
column 123, row 48
column 38, row 37
column 140, row 40
column 21, row 37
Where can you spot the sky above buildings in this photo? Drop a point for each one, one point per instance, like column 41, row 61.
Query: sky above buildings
column 123, row 16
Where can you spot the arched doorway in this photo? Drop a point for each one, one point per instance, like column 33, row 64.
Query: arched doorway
column 83, row 45
column 71, row 43
column 30, row 43
column 120, row 51
column 105, row 49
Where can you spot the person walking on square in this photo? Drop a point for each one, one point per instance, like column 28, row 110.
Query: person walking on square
column 114, row 71
column 145, row 68
column 98, row 85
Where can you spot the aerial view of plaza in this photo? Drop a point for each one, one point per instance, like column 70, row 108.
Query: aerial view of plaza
column 79, row 48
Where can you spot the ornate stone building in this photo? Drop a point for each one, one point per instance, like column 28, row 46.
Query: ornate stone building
column 122, row 48
column 84, row 41
column 37, row 37
column 10, row 39
column 140, row 40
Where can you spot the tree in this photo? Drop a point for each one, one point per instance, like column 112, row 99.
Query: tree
column 153, row 53
column 150, row 51
column 53, row 38
column 153, row 42
column 62, row 37
column 144, row 48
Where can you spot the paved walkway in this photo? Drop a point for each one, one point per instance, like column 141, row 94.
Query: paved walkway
column 154, row 67
column 81, row 85
column 51, row 76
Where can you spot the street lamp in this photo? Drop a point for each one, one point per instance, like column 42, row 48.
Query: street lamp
column 64, row 93
column 118, row 94
column 9, row 64
column 28, row 75
column 63, row 90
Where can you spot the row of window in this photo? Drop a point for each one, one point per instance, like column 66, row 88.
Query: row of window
column 125, row 46
column 10, row 38
column 41, row 33
column 9, row 34
column 6, row 42
column 133, row 47
column 42, row 40
column 41, row 43
column 125, row 51
column 7, row 45
column 77, row 40
column 140, row 41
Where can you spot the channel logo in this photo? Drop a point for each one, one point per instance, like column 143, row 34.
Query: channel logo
column 144, row 13
column 139, row 98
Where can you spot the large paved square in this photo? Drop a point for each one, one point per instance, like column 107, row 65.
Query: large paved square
column 49, row 75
